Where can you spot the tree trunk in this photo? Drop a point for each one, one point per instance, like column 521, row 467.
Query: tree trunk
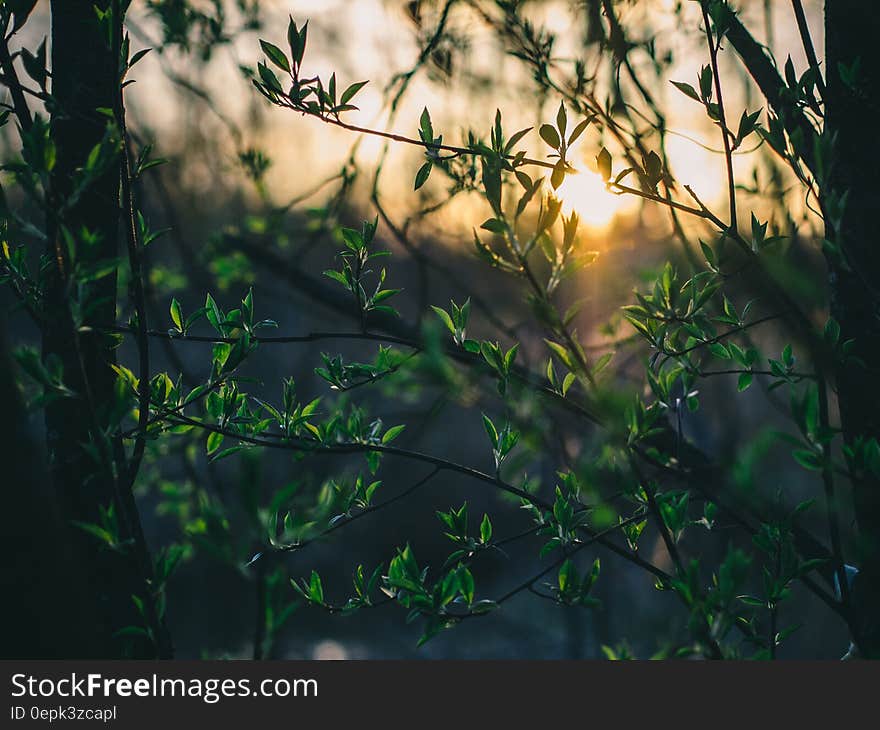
column 852, row 108
column 87, row 481
column 44, row 611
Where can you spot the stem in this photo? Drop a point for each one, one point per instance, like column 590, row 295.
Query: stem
column 668, row 541
column 722, row 120
column 722, row 336
column 698, row 212
column 19, row 103
column 369, row 510
column 807, row 40
column 126, row 495
column 801, row 131
column 520, row 373
column 137, row 277
column 280, row 441
column 699, row 482
column 830, row 498
column 526, row 585
column 541, row 292
column 335, row 121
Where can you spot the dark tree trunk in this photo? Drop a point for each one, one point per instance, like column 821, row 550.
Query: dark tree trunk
column 45, row 611
column 852, row 111
column 84, row 81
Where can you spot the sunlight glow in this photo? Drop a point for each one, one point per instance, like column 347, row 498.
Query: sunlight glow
column 585, row 193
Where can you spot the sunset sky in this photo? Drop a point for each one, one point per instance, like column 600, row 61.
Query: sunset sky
column 373, row 40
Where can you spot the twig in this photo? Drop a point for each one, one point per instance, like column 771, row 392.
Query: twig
column 831, row 500
column 11, row 80
column 283, row 442
column 296, row 547
column 807, row 40
column 722, row 119
column 137, row 280
column 336, row 121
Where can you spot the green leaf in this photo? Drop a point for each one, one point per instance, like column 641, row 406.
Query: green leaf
column 445, row 318
column 349, row 93
column 719, row 350
column 686, row 89
column 466, row 584
column 131, row 631
column 176, row 314
column 494, row 225
column 807, row 459
column 567, row 575
column 316, row 589
column 392, row 433
column 558, row 174
column 578, row 131
column 709, row 254
column 270, row 80
column 275, row 55
column 603, row 162
column 96, row 530
column 706, row 83
column 486, row 529
column 422, row 175
column 550, row 135
column 425, row 127
column 745, row 380
column 491, row 179
column 137, row 57
column 214, row 441
column 561, row 118
column 516, row 138
column 490, row 430
column 213, row 312
column 831, row 332
column 229, row 452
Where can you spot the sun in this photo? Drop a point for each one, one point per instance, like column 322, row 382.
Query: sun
column 584, row 192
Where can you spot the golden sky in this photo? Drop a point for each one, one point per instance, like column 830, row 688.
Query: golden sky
column 373, row 39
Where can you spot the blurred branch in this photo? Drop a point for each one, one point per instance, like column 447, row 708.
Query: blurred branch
column 799, row 128
column 12, row 82
column 807, row 40
column 722, row 117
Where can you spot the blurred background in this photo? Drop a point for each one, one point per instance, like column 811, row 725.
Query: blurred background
column 254, row 196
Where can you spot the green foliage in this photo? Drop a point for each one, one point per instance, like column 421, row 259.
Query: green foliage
column 622, row 441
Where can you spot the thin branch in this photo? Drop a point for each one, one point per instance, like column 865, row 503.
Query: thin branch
column 296, row 547
column 285, row 443
column 751, row 371
column 580, row 545
column 618, row 188
column 801, row 131
column 831, row 499
column 722, row 119
column 662, row 528
column 457, row 151
column 162, row 637
column 19, row 103
column 700, row 478
column 722, row 336
column 521, row 374
column 807, row 40
column 137, row 287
